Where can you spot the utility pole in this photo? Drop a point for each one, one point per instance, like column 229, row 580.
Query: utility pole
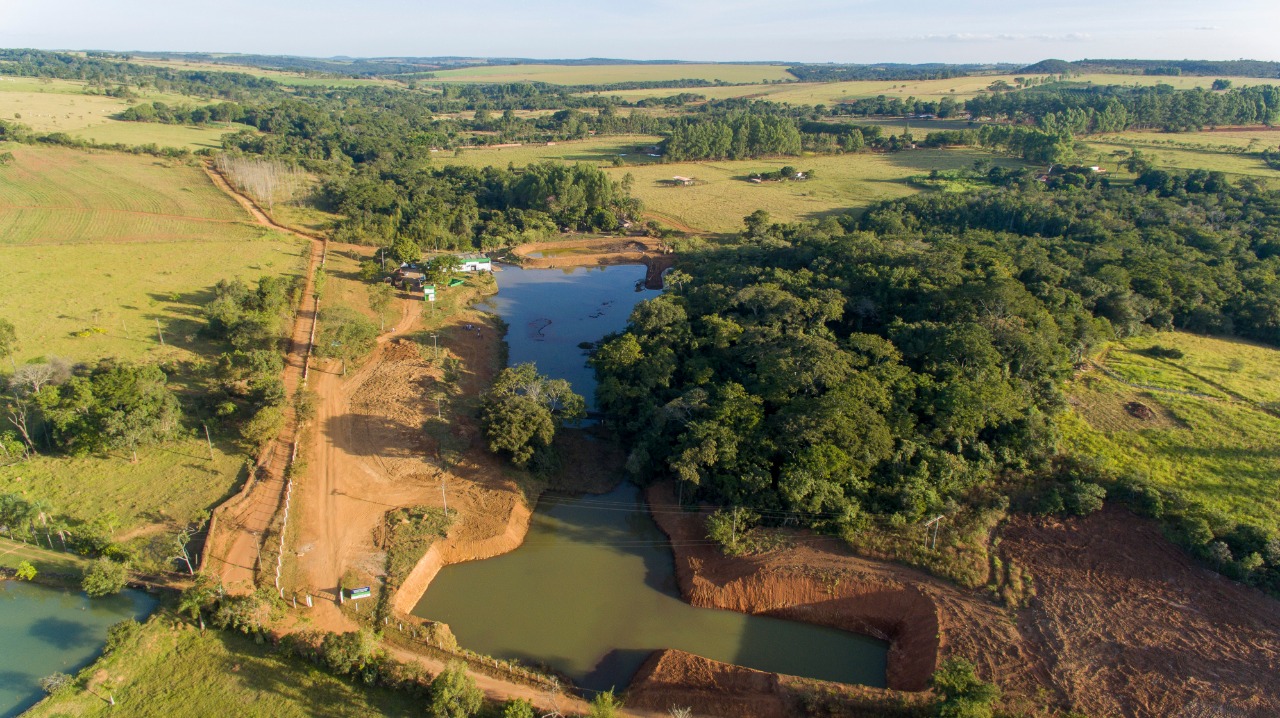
column 435, row 345
column 159, row 332
column 444, row 495
column 208, row 440
column 734, row 539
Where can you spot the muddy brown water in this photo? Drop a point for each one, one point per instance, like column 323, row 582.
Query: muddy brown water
column 592, row 591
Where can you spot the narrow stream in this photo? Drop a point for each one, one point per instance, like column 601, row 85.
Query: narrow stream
column 49, row 630
column 592, row 591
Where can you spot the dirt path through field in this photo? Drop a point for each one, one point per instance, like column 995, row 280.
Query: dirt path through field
column 240, row 524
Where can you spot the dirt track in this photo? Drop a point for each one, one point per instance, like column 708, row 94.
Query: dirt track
column 239, row 525
column 1128, row 625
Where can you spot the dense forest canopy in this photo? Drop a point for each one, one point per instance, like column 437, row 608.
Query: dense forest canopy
column 902, row 361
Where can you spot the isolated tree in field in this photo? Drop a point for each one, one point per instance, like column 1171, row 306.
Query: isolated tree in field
column 522, row 410
column 454, row 694
column 345, row 334
column 104, row 578
column 380, row 297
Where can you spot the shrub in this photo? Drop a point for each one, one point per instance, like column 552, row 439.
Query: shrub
column 1083, row 497
column 454, row 694
column 347, row 653
column 26, row 571
column 961, row 694
column 517, row 708
column 605, row 705
column 104, row 578
column 56, row 683
column 121, row 633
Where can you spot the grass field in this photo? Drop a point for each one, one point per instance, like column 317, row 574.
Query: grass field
column 141, row 133
column 100, row 250
column 1218, row 367
column 171, row 483
column 170, row 669
column 813, row 93
column 284, row 78
column 1219, row 452
column 1164, row 156
column 63, row 106
column 722, row 195
column 602, row 74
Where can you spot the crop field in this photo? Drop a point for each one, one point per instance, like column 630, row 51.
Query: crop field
column 1218, row 451
column 170, row 669
column 601, row 74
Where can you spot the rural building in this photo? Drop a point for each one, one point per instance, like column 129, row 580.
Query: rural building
column 681, row 181
column 408, row 276
column 477, row 264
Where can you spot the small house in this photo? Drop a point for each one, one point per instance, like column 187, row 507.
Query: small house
column 682, row 181
column 477, row 264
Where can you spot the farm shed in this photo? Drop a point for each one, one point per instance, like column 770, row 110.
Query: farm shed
column 477, row 264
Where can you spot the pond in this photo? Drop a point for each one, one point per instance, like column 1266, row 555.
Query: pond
column 551, row 312
column 49, row 630
column 592, row 591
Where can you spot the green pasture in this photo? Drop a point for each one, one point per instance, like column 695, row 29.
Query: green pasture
column 960, row 88
column 1218, row 451
column 142, row 133
column 1108, row 152
column 598, row 150
column 113, row 255
column 722, row 194
column 169, row 668
column 171, row 483
column 603, row 74
column 284, row 78
column 1227, row 368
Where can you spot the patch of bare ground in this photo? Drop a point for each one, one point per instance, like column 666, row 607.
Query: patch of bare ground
column 1129, row 625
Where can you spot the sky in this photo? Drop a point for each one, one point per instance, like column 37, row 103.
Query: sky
column 857, row 31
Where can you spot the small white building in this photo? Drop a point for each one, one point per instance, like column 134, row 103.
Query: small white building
column 477, row 264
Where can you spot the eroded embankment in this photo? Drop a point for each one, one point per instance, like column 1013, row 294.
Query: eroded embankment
column 815, row 582
column 458, row 550
column 675, row 678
